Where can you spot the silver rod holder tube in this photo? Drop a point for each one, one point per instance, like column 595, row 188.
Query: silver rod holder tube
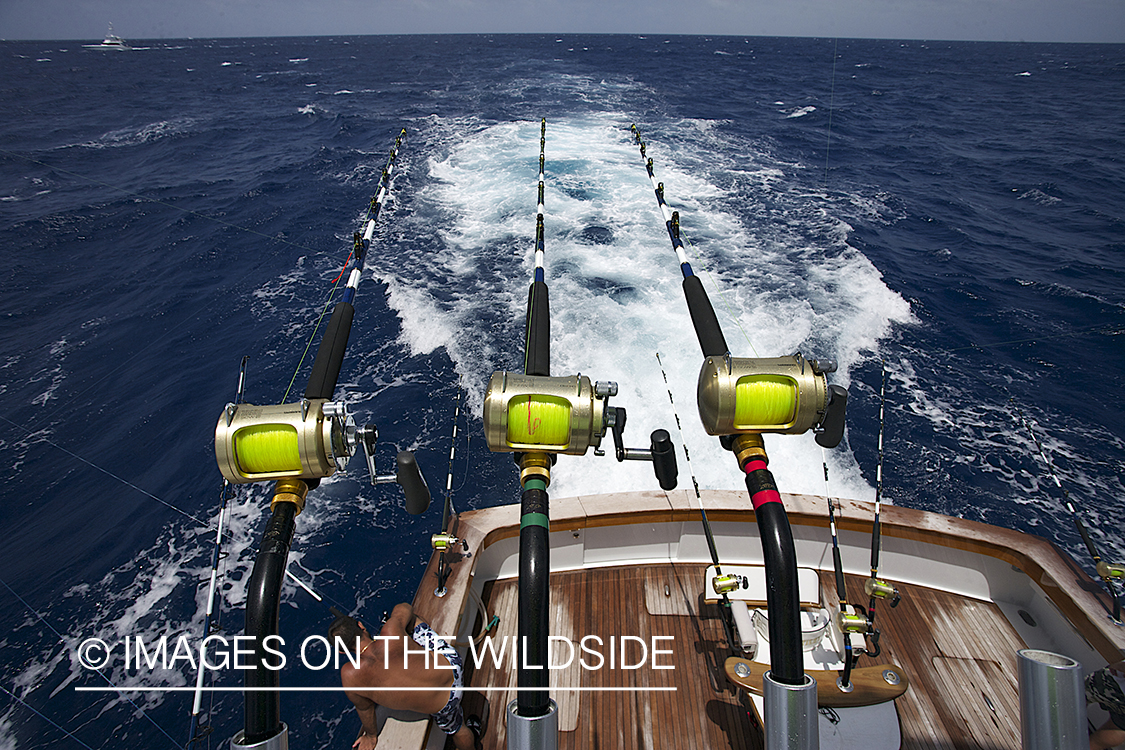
column 791, row 715
column 533, row 732
column 279, row 741
column 1052, row 702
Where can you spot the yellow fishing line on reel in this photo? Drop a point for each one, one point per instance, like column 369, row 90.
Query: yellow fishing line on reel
column 310, row 439
column 538, row 413
column 539, row 420
column 764, row 400
column 267, row 448
column 760, row 394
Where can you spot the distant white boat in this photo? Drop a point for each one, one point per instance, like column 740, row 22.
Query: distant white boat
column 111, row 41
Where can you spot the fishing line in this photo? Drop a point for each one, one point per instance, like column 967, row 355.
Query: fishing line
column 1112, row 329
column 312, row 336
column 108, row 473
column 358, row 250
column 63, row 640
column 45, row 718
column 721, row 292
column 1098, row 564
column 831, row 107
column 156, row 201
column 146, row 493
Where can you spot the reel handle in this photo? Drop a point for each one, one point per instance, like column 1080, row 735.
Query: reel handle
column 413, row 483
column 832, row 426
column 664, row 459
column 661, row 452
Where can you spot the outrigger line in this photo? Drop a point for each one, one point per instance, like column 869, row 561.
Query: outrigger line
column 298, row 445
column 535, row 417
column 739, row 399
column 1108, row 572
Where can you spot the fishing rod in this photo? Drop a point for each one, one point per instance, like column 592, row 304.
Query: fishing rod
column 848, row 621
column 444, row 541
column 1108, row 572
column 873, row 586
column 536, row 417
column 216, row 555
column 723, row 583
column 297, row 445
column 739, row 399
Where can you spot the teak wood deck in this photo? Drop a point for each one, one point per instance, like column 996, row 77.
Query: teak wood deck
column 961, row 694
column 957, row 652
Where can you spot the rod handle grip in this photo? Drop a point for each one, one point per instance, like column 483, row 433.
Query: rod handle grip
column 707, row 329
column 413, row 484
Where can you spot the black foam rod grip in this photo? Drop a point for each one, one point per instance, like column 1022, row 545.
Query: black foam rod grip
column 703, row 318
column 330, row 355
column 413, row 484
column 664, row 459
column 538, row 354
column 832, row 426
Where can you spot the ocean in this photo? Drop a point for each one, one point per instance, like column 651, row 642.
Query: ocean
column 953, row 212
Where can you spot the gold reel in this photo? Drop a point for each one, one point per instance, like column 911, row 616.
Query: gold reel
column 779, row 394
column 530, row 413
column 311, row 439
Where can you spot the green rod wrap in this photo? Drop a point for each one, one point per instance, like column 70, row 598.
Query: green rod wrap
column 535, row 519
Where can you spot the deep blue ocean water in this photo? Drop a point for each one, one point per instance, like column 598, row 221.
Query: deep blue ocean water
column 956, row 210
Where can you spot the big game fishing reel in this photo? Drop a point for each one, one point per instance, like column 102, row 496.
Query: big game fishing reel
column 569, row 415
column 310, row 440
column 788, row 395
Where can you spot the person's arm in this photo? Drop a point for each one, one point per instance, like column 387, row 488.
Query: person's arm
column 365, row 707
column 401, row 620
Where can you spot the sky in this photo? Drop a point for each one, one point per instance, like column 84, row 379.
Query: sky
column 988, row 20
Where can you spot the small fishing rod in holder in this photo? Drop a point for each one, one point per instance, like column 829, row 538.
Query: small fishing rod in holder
column 874, row 587
column 854, row 621
column 296, row 445
column 740, row 399
column 536, row 417
column 444, row 542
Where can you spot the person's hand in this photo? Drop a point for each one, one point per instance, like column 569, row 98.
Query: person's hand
column 365, row 742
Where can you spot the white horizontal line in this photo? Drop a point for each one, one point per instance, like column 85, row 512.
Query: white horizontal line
column 146, row 689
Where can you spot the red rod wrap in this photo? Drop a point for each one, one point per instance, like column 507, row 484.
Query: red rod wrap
column 766, row 491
